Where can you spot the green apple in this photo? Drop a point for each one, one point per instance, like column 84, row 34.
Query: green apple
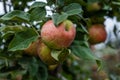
column 96, row 6
column 44, row 53
column 50, row 56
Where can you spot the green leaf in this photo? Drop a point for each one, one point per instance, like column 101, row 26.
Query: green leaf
column 100, row 64
column 63, row 55
column 73, row 12
column 36, row 68
column 55, row 54
column 84, row 29
column 117, row 3
column 3, row 75
column 15, row 73
column 7, row 35
column 37, row 4
column 22, row 39
column 16, row 28
column 60, row 55
column 57, row 18
column 11, row 30
column 33, row 67
column 30, row 64
column 72, row 9
column 83, row 52
column 42, row 72
column 37, row 14
column 17, row 16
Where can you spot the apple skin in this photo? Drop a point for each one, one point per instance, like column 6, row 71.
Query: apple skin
column 58, row 37
column 96, row 6
column 97, row 34
column 52, row 67
column 32, row 48
column 45, row 54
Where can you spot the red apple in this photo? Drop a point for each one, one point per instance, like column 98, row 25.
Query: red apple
column 97, row 33
column 58, row 37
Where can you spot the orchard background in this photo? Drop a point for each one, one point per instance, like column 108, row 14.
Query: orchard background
column 21, row 25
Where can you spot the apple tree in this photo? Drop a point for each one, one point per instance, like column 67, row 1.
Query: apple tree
column 39, row 44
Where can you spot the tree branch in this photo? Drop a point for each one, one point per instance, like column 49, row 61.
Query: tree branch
column 4, row 6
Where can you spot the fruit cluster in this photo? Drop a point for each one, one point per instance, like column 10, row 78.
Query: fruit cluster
column 52, row 45
column 53, row 38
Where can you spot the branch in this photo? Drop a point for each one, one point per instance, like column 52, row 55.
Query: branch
column 4, row 5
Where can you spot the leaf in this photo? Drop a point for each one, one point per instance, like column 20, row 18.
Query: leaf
column 16, row 28
column 35, row 67
column 15, row 73
column 117, row 3
column 22, row 39
column 57, row 18
column 37, row 4
column 99, row 63
column 63, row 55
column 60, row 55
column 7, row 35
column 72, row 9
column 11, row 30
column 30, row 64
column 82, row 51
column 42, row 72
column 17, row 16
column 73, row 12
column 85, row 53
column 37, row 14
column 3, row 75
column 84, row 29
column 55, row 54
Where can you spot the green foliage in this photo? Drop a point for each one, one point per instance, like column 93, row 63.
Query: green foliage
column 82, row 51
column 37, row 4
column 8, row 31
column 16, row 15
column 37, row 14
column 60, row 55
column 18, row 31
column 37, row 11
column 72, row 9
column 22, row 39
column 57, row 19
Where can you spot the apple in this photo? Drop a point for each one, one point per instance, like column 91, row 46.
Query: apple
column 97, row 34
column 32, row 48
column 58, row 37
column 52, row 67
column 96, row 6
column 19, row 77
column 44, row 53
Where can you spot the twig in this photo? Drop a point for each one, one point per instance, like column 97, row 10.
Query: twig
column 4, row 5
